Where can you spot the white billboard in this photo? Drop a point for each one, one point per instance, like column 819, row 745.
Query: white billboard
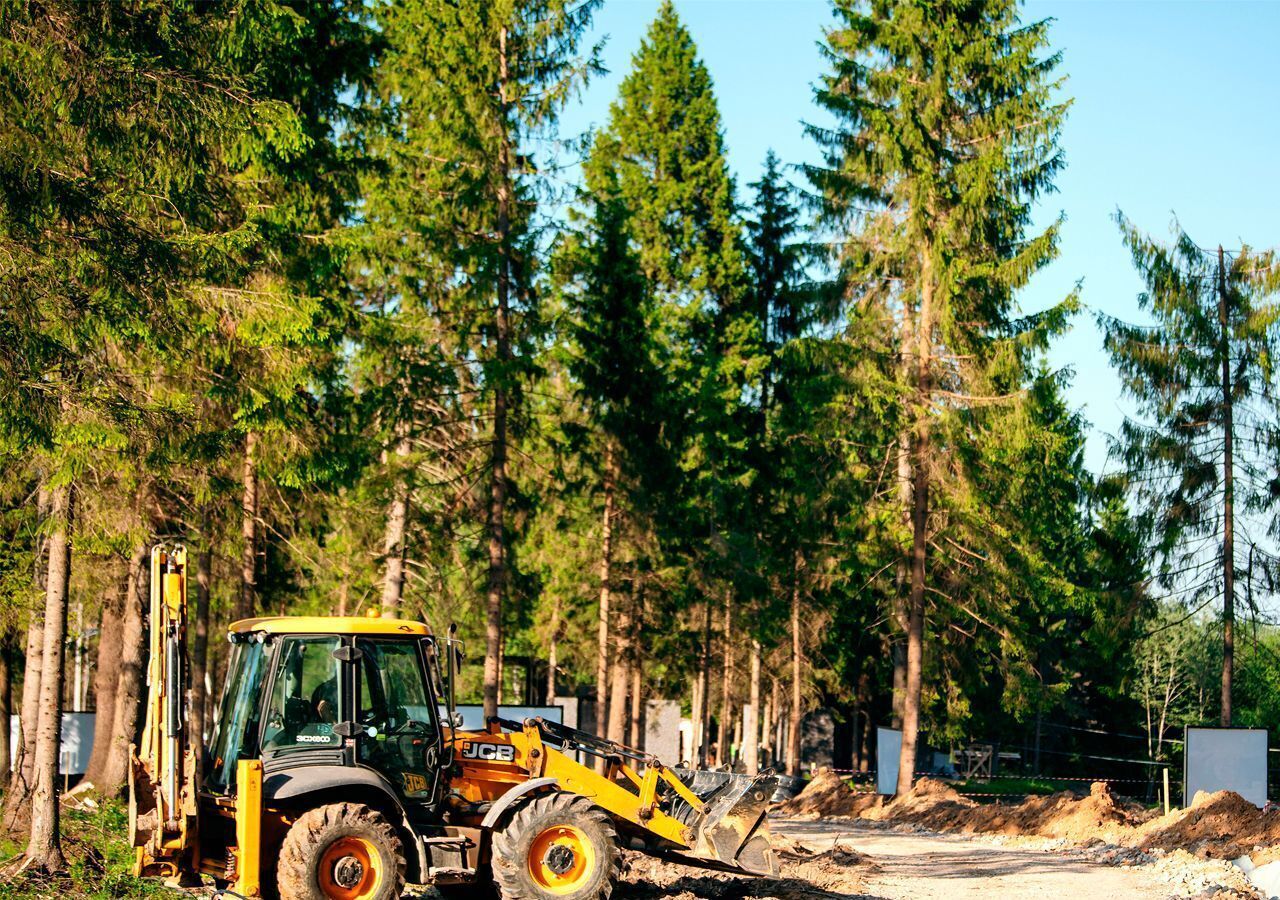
column 1226, row 759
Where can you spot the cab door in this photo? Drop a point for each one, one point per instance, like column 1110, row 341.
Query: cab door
column 399, row 729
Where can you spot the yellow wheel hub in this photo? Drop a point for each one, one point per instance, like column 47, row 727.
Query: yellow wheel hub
column 561, row 859
column 350, row 869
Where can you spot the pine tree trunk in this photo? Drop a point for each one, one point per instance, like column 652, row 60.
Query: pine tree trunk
column 919, row 535
column 704, row 686
column 620, row 680
column 1228, row 501
column 6, row 699
column 636, row 718
column 606, row 583
column 726, row 682
column 44, row 849
column 695, row 718
column 751, row 716
column 247, row 601
column 105, row 680
column 124, row 719
column 793, row 730
column 393, row 548
column 553, row 646
column 200, row 643
column 18, row 794
column 497, row 579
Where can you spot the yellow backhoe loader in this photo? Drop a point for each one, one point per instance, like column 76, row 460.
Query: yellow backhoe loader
column 337, row 769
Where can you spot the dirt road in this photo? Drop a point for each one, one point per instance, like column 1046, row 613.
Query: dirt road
column 942, row 867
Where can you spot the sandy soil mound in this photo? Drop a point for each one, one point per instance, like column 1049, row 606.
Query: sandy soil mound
column 1222, row 825
column 836, row 873
column 828, row 796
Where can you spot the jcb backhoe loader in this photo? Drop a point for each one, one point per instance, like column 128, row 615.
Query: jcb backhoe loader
column 336, row 770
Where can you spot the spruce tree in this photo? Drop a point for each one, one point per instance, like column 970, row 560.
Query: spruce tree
column 1199, row 454
column 466, row 88
column 664, row 149
column 946, row 134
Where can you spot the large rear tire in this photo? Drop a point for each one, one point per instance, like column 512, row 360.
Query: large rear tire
column 342, row 851
column 556, row 846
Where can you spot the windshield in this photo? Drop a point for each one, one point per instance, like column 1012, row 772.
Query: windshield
column 238, row 724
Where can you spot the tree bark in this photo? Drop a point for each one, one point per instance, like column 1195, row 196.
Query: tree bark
column 105, row 680
column 553, row 646
column 797, row 699
column 497, row 579
column 726, row 683
column 919, row 533
column 620, row 680
column 6, row 699
column 124, row 719
column 44, row 849
column 200, row 641
column 21, row 775
column 393, row 542
column 606, row 574
column 704, row 686
column 751, row 716
column 247, row 601
column 636, row 718
column 1228, row 501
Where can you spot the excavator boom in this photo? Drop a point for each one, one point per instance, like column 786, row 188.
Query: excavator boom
column 164, row 770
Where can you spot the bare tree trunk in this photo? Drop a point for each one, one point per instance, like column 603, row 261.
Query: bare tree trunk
column 634, row 735
column 393, row 548
column 919, row 535
column 797, row 698
column 21, row 776
column 106, row 679
column 6, row 699
column 497, row 580
column 200, row 644
column 695, row 718
column 553, row 645
column 620, row 679
column 751, row 716
column 247, row 601
column 44, row 849
column 1228, row 501
column 606, row 582
column 704, row 685
column 726, row 681
column 124, row 719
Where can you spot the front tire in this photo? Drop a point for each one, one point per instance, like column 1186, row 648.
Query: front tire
column 342, row 851
column 556, row 846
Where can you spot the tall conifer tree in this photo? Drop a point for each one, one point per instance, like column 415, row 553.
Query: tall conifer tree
column 1200, row 457
column 946, row 134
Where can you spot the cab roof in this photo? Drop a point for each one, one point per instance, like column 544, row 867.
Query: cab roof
column 373, row 624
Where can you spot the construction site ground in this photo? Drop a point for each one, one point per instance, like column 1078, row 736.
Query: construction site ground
column 935, row 843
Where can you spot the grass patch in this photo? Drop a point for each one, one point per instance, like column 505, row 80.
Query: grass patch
column 1016, row 787
column 98, row 861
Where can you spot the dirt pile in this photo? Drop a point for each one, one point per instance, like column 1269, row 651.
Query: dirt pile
column 836, row 873
column 828, row 796
column 1222, row 825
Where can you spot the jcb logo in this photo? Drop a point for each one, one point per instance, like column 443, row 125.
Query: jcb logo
column 495, row 752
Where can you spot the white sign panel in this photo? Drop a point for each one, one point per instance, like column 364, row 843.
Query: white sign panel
column 888, row 749
column 1227, row 759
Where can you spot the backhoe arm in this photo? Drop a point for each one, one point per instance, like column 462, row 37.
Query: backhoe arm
column 164, row 770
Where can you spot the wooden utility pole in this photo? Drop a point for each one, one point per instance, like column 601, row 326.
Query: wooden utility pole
column 1228, row 498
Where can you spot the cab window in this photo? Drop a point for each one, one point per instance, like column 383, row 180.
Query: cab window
column 306, row 699
column 397, row 719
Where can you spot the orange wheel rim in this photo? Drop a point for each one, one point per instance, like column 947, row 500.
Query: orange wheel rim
column 561, row 859
column 350, row 869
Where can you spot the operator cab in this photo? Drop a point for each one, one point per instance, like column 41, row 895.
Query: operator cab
column 331, row 691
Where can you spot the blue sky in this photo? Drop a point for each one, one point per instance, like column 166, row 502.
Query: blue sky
column 1176, row 111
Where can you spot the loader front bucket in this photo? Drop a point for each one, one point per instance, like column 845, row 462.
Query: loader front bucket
column 731, row 830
